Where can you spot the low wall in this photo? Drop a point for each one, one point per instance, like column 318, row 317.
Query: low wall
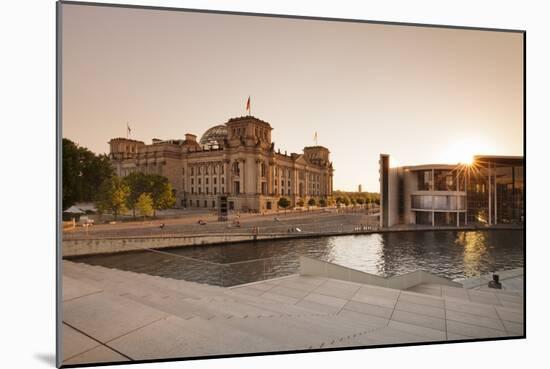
column 320, row 268
column 90, row 246
column 75, row 247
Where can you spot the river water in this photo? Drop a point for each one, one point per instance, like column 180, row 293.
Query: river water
column 451, row 254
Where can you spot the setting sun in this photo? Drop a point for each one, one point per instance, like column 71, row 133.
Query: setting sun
column 463, row 151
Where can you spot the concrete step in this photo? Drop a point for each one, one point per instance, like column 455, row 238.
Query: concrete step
column 125, row 281
column 487, row 297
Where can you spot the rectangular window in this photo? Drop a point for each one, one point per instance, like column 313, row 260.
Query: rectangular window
column 200, row 189
column 206, row 180
column 215, row 190
column 215, row 180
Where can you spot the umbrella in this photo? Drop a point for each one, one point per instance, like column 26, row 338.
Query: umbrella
column 74, row 210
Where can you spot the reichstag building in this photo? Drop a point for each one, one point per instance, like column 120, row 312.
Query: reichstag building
column 236, row 159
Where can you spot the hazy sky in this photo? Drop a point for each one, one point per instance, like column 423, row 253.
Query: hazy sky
column 422, row 95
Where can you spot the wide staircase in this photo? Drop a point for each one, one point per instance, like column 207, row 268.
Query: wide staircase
column 111, row 315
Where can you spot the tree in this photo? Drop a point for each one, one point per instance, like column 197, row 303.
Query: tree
column 144, row 204
column 283, row 203
column 112, row 197
column 360, row 200
column 311, row 202
column 162, row 192
column 345, row 200
column 138, row 183
column 300, row 203
column 83, row 173
column 322, row 203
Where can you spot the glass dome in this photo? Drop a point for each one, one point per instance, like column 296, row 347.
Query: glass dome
column 214, row 136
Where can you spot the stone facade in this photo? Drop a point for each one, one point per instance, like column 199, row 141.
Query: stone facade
column 236, row 159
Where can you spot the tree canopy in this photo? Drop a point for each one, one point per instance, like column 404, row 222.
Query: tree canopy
column 113, row 194
column 283, row 202
column 83, row 173
column 144, row 205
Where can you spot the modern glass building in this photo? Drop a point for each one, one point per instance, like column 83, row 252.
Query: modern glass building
column 488, row 191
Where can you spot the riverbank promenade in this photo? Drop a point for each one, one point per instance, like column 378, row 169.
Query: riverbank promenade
column 111, row 315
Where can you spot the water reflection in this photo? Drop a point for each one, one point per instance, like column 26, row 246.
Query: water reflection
column 450, row 254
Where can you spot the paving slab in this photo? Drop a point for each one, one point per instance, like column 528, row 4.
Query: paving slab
column 107, row 316
column 99, row 354
column 74, row 342
column 421, row 299
column 480, row 320
column 360, row 307
column 414, row 329
column 473, row 331
column 73, row 288
column 427, row 310
column 419, row 320
column 509, row 314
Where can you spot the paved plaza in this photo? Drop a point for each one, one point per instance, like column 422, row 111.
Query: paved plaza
column 329, row 220
column 111, row 315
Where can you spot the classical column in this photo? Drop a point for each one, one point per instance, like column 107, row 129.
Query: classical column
column 270, row 178
column 227, row 177
column 258, row 176
column 306, row 182
column 242, row 164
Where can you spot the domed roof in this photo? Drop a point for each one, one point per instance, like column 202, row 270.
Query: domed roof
column 214, row 136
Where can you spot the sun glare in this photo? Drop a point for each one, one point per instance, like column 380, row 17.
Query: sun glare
column 463, row 151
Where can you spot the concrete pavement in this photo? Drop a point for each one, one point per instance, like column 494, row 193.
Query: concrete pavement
column 111, row 315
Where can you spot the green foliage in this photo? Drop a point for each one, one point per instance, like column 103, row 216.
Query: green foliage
column 359, row 197
column 322, row 203
column 138, row 183
column 157, row 186
column 311, row 202
column 83, row 173
column 300, row 202
column 144, row 204
column 283, row 203
column 162, row 192
column 112, row 197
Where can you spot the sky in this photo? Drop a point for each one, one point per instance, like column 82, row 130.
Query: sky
column 420, row 94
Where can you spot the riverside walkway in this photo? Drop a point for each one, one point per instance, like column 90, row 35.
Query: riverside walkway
column 111, row 315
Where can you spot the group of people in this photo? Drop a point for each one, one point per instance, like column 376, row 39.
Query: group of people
column 364, row 227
